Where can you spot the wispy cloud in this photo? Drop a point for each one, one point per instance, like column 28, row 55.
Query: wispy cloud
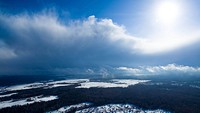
column 5, row 52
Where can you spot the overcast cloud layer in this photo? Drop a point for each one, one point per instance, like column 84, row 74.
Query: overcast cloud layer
column 41, row 42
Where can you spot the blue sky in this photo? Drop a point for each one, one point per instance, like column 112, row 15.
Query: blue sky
column 41, row 36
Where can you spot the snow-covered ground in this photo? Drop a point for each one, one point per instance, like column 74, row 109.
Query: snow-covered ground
column 71, row 108
column 44, row 85
column 68, row 81
column 84, row 83
column 118, row 108
column 7, row 95
column 24, row 86
column 110, row 108
column 30, row 100
column 100, row 85
column 129, row 81
column 112, row 83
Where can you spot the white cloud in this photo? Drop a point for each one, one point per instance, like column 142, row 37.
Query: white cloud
column 49, row 29
column 173, row 68
column 160, row 70
column 131, row 70
column 166, row 42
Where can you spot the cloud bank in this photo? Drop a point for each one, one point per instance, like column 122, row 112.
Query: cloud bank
column 170, row 69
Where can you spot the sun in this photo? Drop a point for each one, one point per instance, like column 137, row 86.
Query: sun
column 167, row 13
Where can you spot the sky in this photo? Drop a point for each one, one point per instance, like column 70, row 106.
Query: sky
column 63, row 36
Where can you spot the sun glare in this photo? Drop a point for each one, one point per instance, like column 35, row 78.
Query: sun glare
column 167, row 13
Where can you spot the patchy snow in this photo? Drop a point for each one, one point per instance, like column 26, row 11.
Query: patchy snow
column 45, row 99
column 30, row 100
column 71, row 108
column 129, row 81
column 84, row 83
column 65, row 82
column 57, row 85
column 44, row 85
column 69, row 81
column 25, row 86
column 112, row 83
column 100, row 85
column 118, row 108
column 7, row 95
column 110, row 108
